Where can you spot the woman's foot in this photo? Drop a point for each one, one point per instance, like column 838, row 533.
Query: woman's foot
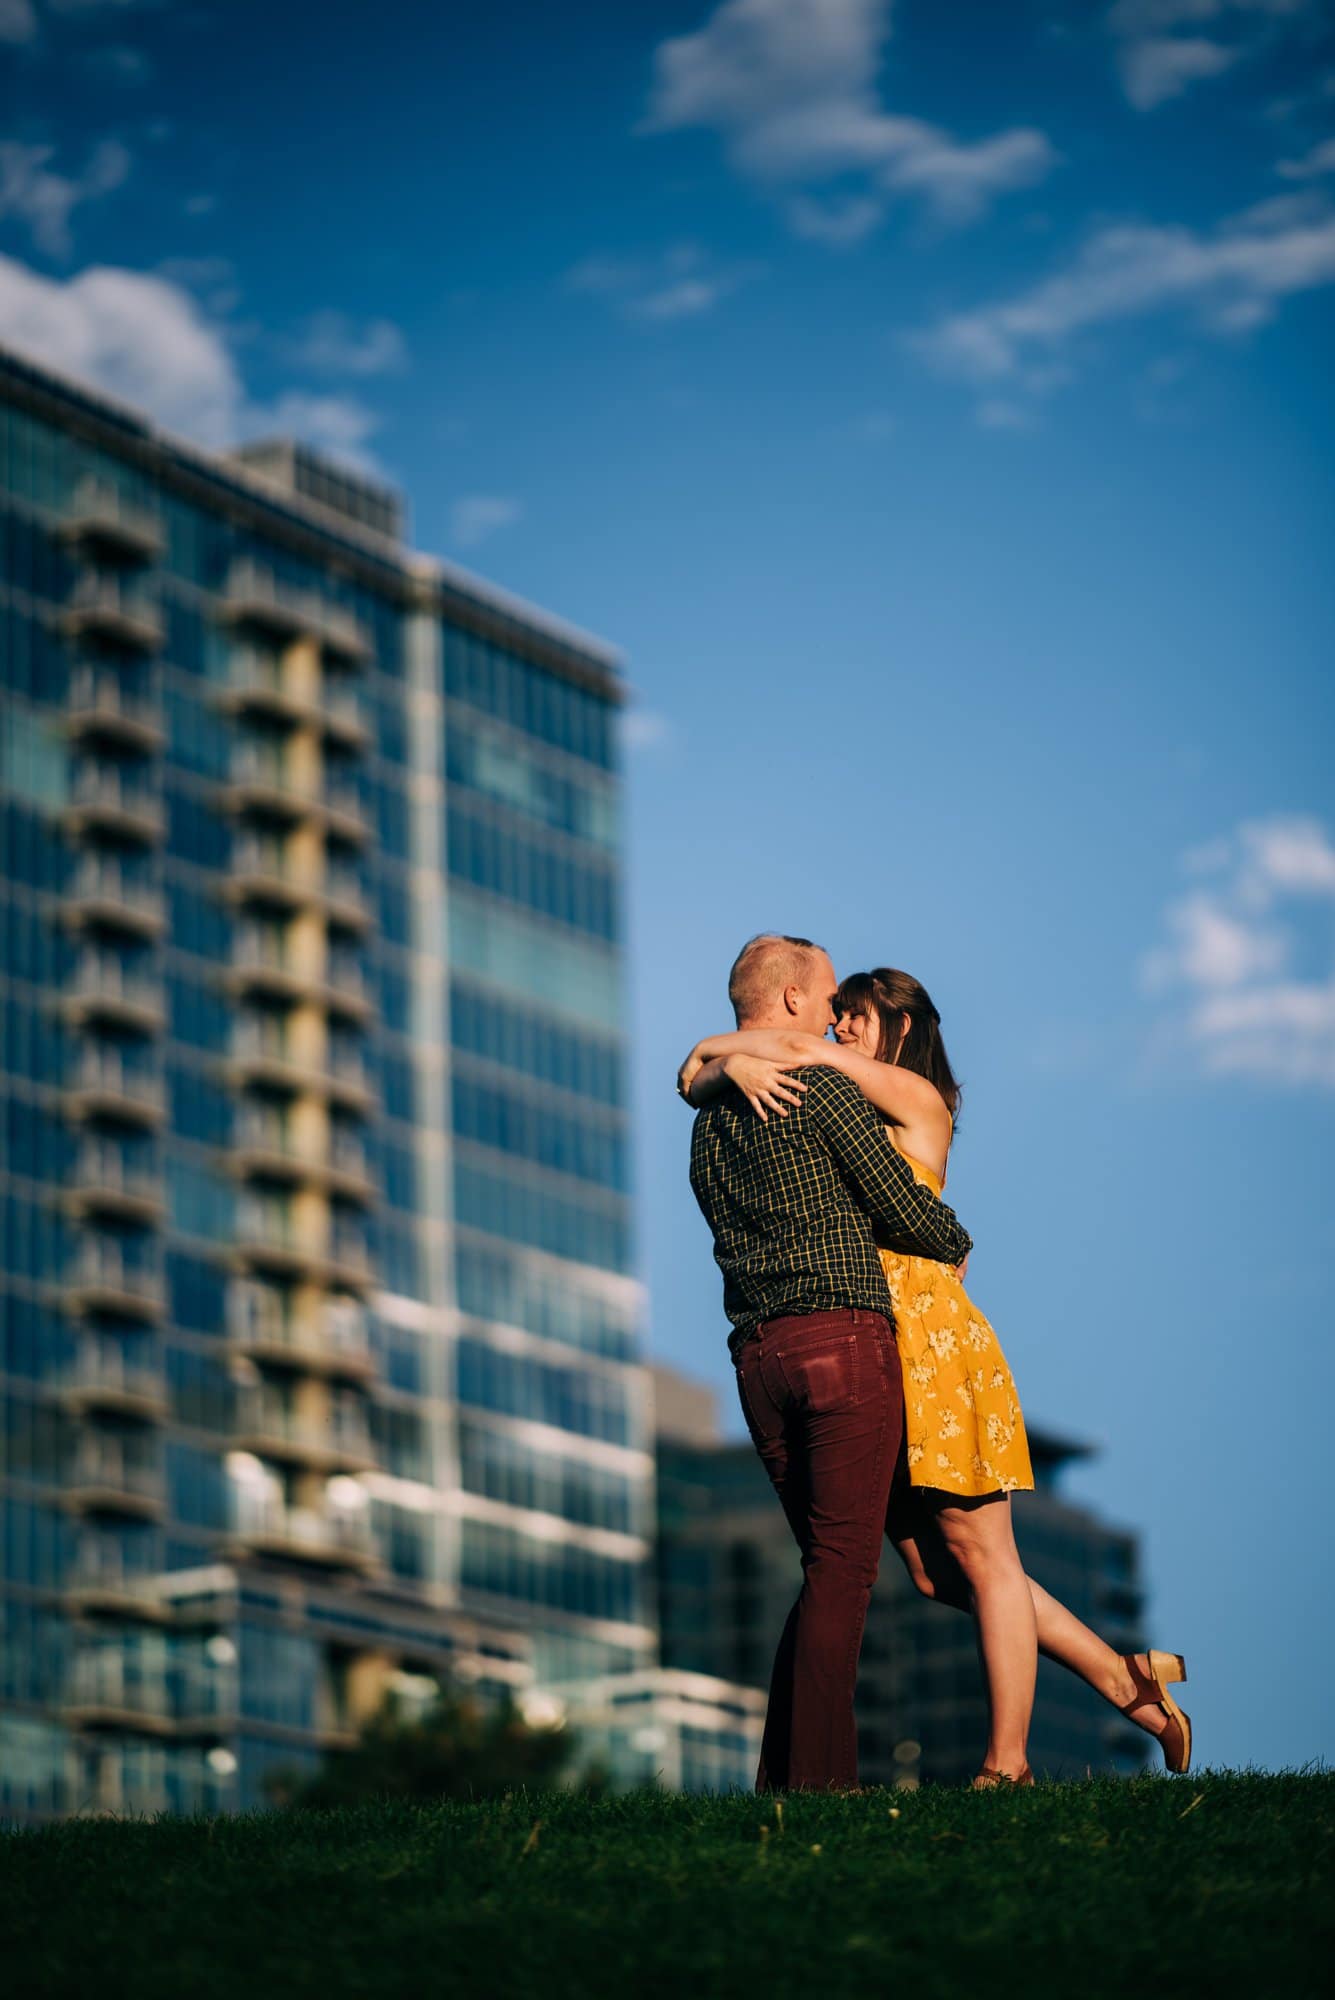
column 1153, row 1709
column 988, row 1778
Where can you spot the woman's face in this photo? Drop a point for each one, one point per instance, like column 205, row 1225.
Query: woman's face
column 859, row 1031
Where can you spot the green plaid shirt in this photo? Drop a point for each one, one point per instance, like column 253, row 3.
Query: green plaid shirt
column 799, row 1204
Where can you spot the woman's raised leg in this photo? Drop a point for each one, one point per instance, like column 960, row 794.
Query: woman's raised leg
column 935, row 1572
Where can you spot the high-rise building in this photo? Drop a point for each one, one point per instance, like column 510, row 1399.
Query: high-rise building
column 728, row 1572
column 317, row 1328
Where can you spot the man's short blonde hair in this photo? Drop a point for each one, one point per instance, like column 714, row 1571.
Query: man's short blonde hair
column 764, row 967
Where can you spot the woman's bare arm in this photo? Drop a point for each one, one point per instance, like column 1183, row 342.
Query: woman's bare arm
column 767, row 1086
column 786, row 1045
column 708, row 1081
column 900, row 1095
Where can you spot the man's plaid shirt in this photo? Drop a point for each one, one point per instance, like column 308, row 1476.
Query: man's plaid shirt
column 798, row 1204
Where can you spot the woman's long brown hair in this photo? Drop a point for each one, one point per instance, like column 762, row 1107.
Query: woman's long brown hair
column 886, row 996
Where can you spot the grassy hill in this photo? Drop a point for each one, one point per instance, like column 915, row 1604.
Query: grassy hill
column 1217, row 1885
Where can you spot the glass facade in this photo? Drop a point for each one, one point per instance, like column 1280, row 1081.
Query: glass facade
column 315, row 1238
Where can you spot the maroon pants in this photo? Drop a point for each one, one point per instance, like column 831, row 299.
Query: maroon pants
column 824, row 1402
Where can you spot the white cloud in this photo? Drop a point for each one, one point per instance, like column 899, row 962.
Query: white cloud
column 683, row 282
column 18, row 21
column 791, row 87
column 1162, row 67
column 1249, row 967
column 1320, row 160
column 147, row 340
column 213, row 281
column 646, row 729
column 876, row 427
column 333, row 344
column 120, row 64
column 138, row 337
column 997, row 413
column 340, row 425
column 1212, row 946
column 1157, row 62
column 44, row 200
column 1283, row 1033
column 838, row 223
column 478, row 516
column 1230, row 280
column 1287, row 857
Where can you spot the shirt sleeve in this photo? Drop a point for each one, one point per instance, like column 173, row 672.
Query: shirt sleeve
column 907, row 1215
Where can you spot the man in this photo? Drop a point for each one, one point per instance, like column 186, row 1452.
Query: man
column 796, row 1205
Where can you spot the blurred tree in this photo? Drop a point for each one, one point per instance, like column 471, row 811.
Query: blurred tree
column 461, row 1748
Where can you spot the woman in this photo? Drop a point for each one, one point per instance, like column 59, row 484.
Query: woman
column 965, row 1444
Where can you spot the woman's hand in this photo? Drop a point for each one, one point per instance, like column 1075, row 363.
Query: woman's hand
column 688, row 1072
column 766, row 1085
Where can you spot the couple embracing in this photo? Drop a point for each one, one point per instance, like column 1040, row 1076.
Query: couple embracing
column 874, row 1390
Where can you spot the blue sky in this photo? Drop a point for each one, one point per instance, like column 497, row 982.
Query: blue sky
column 931, row 402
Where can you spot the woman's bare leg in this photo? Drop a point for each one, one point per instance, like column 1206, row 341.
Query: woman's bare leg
column 1061, row 1635
column 980, row 1536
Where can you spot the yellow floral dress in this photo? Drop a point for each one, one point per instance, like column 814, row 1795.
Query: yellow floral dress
column 963, row 1427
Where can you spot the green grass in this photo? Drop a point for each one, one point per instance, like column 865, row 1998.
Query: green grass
column 1146, row 1890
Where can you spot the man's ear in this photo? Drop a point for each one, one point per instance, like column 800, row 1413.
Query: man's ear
column 792, row 999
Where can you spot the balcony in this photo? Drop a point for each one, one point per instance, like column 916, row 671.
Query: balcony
column 101, row 1277
column 260, row 781
column 346, row 991
column 255, row 596
column 99, row 1581
column 99, row 702
column 102, row 1376
column 263, row 870
column 102, row 519
column 347, row 1078
column 348, row 1260
column 259, row 684
column 107, row 796
column 105, row 893
column 344, row 812
column 262, row 963
column 100, row 1694
column 104, row 1083
column 107, row 1479
column 343, row 714
column 105, row 987
column 332, row 1539
column 266, row 1426
column 329, row 1339
column 269, row 1240
column 263, row 1145
column 113, row 1686
column 117, row 613
column 344, row 895
column 107, row 1181
column 262, row 1053
column 347, row 1169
